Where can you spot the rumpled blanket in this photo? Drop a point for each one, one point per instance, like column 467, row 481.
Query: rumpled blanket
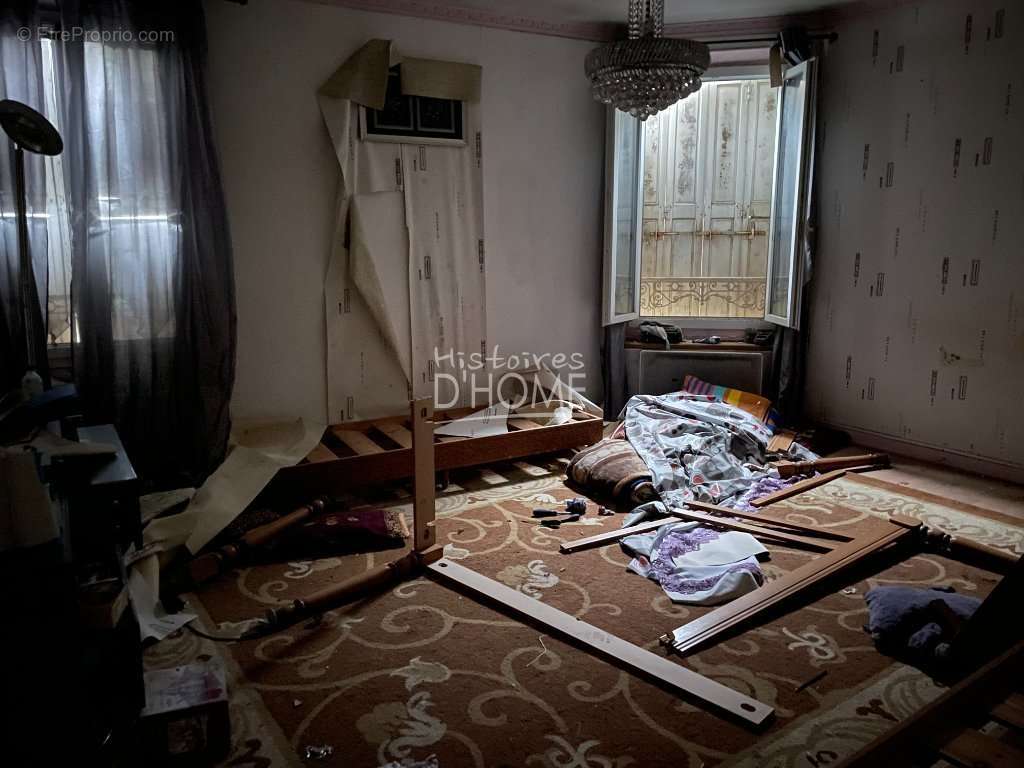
column 906, row 621
column 697, row 565
column 701, row 450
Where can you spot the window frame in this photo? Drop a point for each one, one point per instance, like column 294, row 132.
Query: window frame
column 805, row 162
column 704, row 324
column 711, row 324
column 609, row 316
column 394, row 81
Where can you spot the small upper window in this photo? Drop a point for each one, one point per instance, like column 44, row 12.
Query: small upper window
column 414, row 119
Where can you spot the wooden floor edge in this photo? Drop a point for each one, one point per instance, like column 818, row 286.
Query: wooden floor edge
column 934, row 498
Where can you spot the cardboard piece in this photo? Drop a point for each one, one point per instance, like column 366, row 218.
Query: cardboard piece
column 252, row 463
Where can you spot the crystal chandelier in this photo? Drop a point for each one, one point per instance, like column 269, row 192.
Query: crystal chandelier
column 646, row 73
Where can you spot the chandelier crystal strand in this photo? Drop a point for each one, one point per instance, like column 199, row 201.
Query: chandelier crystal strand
column 646, row 73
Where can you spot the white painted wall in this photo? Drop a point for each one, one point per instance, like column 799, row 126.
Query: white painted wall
column 543, row 141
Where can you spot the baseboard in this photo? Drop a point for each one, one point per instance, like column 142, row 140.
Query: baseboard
column 1013, row 473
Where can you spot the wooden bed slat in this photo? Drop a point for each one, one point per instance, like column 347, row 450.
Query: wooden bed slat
column 383, row 466
column 531, row 469
column 396, row 432
column 793, row 490
column 321, row 452
column 1011, row 711
column 523, row 424
column 787, row 469
column 679, row 516
column 819, row 545
column 763, row 518
column 358, row 442
column 940, row 721
column 491, row 477
column 607, row 537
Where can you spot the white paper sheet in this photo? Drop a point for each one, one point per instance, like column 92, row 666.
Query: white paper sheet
column 250, row 466
column 143, row 587
column 487, row 421
column 153, row 505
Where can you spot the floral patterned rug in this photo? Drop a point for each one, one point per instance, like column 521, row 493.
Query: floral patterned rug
column 425, row 671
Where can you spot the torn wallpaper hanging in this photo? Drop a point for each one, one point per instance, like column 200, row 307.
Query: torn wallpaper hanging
column 406, row 273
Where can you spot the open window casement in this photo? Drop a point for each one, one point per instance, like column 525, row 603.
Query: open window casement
column 743, row 179
column 794, row 164
column 623, row 170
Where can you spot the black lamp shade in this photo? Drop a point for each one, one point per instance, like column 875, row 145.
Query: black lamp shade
column 29, row 129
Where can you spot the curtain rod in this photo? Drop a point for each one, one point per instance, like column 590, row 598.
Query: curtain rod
column 829, row 36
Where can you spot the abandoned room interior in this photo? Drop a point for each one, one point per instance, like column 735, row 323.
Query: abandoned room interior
column 489, row 383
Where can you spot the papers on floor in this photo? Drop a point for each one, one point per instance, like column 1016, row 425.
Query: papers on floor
column 255, row 456
column 143, row 586
column 153, row 505
column 250, row 466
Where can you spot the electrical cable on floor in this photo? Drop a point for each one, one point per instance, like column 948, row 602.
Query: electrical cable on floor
column 541, row 639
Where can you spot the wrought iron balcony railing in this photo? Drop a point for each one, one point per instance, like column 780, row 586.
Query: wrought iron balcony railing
column 702, row 296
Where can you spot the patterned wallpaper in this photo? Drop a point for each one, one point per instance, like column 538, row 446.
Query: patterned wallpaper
column 917, row 298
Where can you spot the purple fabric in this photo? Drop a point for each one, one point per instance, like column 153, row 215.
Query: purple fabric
column 680, row 542
column 764, row 486
column 673, row 583
column 675, row 544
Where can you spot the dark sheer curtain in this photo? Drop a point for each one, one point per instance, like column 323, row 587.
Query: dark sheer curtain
column 789, row 351
column 152, row 290
column 21, row 79
column 613, row 369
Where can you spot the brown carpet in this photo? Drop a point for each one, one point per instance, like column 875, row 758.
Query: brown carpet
column 426, row 671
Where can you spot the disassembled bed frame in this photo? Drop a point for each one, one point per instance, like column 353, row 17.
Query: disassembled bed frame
column 956, row 726
column 841, row 552
column 951, row 727
column 426, row 556
column 375, row 451
column 787, row 469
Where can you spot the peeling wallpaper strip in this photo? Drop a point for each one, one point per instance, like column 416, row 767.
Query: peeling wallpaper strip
column 916, row 322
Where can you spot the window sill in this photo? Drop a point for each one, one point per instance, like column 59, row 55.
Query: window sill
column 691, row 346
